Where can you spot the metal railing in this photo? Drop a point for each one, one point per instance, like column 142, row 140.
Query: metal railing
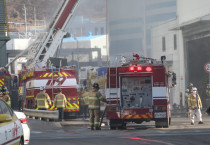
column 44, row 114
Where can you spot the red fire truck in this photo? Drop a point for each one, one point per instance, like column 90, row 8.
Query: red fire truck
column 138, row 91
column 41, row 70
column 51, row 79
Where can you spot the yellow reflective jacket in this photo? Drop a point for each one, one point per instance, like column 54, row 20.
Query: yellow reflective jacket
column 83, row 98
column 7, row 99
column 43, row 100
column 60, row 100
column 94, row 97
column 192, row 101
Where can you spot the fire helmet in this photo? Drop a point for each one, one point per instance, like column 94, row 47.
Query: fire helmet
column 194, row 89
column 187, row 90
column 3, row 88
column 96, row 85
column 59, row 90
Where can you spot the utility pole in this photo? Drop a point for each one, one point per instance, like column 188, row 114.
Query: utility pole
column 145, row 30
column 26, row 29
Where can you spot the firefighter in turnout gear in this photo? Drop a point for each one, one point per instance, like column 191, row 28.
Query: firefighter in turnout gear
column 42, row 100
column 94, row 97
column 60, row 103
column 187, row 92
column 83, row 103
column 6, row 96
column 195, row 106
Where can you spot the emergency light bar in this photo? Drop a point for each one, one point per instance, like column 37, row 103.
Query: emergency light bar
column 149, row 69
column 55, row 70
column 139, row 68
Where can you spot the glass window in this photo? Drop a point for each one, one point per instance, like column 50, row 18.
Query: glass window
column 163, row 44
column 102, row 30
column 96, row 31
column 175, row 42
column 5, row 108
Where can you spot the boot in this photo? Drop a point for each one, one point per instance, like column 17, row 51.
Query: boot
column 92, row 127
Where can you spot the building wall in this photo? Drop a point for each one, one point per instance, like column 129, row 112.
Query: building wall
column 81, row 26
column 126, row 21
column 99, row 42
column 188, row 10
column 19, row 44
column 174, row 57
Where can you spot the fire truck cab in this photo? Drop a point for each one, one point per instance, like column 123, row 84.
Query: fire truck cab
column 138, row 91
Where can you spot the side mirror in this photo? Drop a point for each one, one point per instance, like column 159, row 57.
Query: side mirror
column 5, row 118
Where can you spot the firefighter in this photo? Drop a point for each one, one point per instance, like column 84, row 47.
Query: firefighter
column 6, row 96
column 94, row 97
column 186, row 97
column 60, row 103
column 190, row 87
column 186, row 101
column 19, row 102
column 42, row 100
column 83, row 103
column 195, row 106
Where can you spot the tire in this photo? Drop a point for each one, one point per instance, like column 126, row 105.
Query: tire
column 112, row 125
column 166, row 123
column 157, row 124
column 122, row 127
column 21, row 141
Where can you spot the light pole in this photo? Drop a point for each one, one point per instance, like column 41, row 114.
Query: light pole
column 24, row 8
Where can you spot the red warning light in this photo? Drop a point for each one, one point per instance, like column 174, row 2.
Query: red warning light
column 148, row 69
column 131, row 68
column 139, row 68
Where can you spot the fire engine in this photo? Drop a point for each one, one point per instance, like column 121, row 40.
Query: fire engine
column 1, row 81
column 4, row 79
column 40, row 70
column 52, row 79
column 138, row 91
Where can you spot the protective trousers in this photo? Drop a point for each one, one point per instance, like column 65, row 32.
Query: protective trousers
column 196, row 112
column 94, row 117
column 60, row 110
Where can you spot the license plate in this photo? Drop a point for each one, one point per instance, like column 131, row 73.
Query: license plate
column 160, row 115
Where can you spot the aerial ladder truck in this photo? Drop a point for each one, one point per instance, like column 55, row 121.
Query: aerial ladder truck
column 40, row 71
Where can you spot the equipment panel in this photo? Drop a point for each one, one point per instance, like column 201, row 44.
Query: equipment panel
column 136, row 92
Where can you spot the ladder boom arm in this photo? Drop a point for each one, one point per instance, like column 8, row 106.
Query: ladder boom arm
column 55, row 35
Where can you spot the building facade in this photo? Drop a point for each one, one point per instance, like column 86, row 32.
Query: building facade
column 129, row 24
column 4, row 33
column 192, row 29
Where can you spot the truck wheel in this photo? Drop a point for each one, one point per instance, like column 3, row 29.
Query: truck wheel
column 123, row 126
column 112, row 125
column 157, row 124
column 166, row 123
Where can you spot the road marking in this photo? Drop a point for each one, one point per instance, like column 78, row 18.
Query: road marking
column 119, row 136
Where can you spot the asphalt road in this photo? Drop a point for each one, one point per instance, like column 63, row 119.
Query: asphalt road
column 77, row 133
